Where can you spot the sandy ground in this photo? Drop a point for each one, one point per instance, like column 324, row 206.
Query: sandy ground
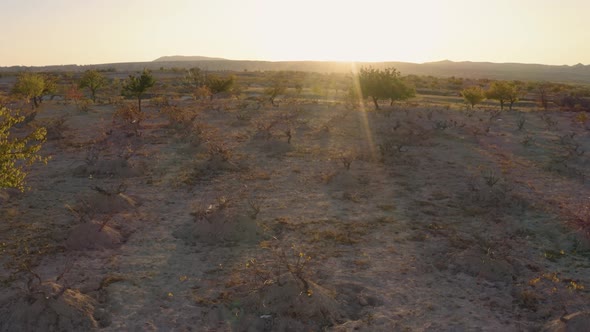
column 408, row 219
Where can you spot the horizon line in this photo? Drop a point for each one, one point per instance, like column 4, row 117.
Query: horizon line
column 212, row 58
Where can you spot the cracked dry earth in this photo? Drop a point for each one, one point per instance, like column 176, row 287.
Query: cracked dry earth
column 409, row 219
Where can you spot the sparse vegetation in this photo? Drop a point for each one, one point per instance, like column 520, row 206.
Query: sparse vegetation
column 213, row 192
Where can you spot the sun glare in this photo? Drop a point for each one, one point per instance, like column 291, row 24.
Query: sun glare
column 345, row 31
column 371, row 30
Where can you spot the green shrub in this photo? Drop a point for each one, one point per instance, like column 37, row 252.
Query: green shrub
column 17, row 153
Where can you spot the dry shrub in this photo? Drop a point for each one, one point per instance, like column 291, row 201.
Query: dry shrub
column 219, row 152
column 346, row 158
column 93, row 236
column 186, row 128
column 276, row 287
column 116, row 100
column 128, row 117
column 286, row 125
column 264, row 129
column 179, row 118
column 220, row 223
column 195, row 134
column 160, row 101
column 55, row 128
column 84, row 105
column 202, row 93
column 128, row 113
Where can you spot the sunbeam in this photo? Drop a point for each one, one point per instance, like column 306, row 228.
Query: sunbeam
column 363, row 111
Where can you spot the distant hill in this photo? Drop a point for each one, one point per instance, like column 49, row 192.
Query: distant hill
column 514, row 71
column 502, row 71
column 185, row 58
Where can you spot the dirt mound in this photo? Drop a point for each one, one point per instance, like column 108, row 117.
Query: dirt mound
column 289, row 306
column 356, row 298
column 276, row 149
column 97, row 203
column 93, row 236
column 220, row 227
column 116, row 168
column 49, row 308
column 217, row 164
column 377, row 323
column 475, row 263
column 343, row 180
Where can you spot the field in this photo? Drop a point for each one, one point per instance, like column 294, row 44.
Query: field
column 311, row 214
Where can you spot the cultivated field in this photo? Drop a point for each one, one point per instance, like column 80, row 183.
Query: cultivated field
column 311, row 214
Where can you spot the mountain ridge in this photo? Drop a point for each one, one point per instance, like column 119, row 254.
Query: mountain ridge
column 578, row 73
column 171, row 58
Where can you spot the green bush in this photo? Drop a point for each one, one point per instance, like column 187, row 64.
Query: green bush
column 17, row 153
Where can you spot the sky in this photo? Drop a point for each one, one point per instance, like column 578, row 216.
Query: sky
column 56, row 32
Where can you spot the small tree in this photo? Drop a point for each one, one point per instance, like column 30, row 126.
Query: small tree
column 30, row 86
column 473, row 95
column 195, row 77
column 49, row 87
column 503, row 92
column 277, row 87
column 513, row 95
column 136, row 86
column 17, row 153
column 544, row 91
column 93, row 80
column 375, row 84
column 73, row 93
column 383, row 84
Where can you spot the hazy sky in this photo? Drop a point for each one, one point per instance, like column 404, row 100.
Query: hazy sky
column 41, row 32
